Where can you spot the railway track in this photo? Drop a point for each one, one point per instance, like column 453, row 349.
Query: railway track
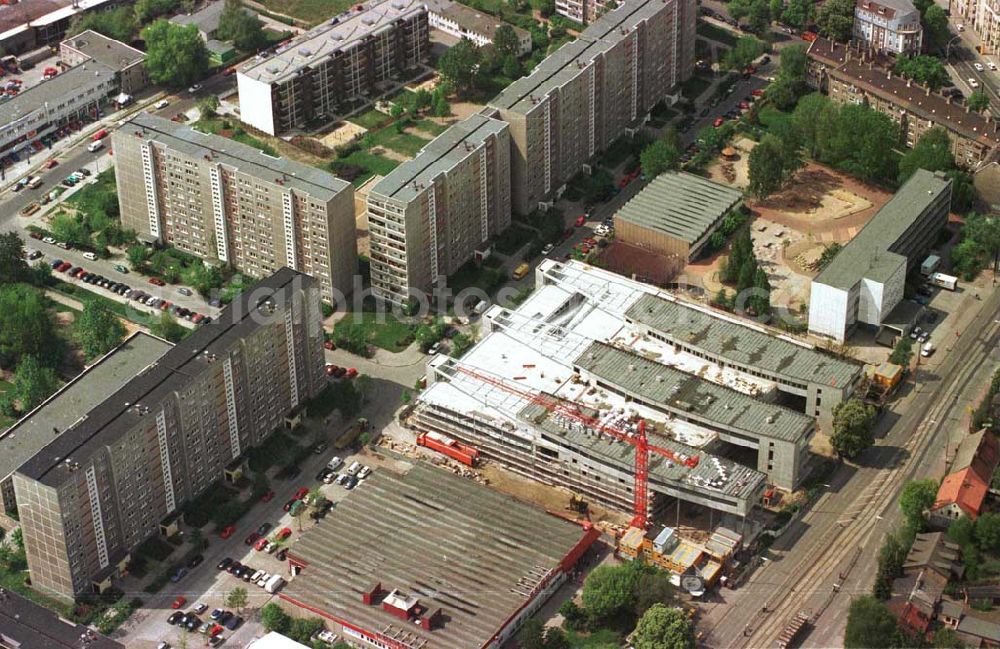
column 817, row 573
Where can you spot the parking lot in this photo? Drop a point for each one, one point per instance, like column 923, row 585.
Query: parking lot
column 209, row 585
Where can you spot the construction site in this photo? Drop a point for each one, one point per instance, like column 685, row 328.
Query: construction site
column 632, row 400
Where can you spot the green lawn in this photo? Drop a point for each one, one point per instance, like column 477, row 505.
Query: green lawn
column 311, row 11
column 602, row 639
column 371, row 119
column 214, row 126
column 429, row 126
column 81, row 294
column 717, row 34
column 369, row 165
column 404, row 143
column 383, row 329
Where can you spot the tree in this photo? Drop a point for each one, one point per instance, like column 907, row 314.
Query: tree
column 26, row 327
column 853, row 423
column 505, row 42
column 962, row 531
column 931, row 152
column 652, row 587
column 945, row 638
column 759, row 18
column 979, row 101
column 531, row 635
column 13, row 267
column 441, row 106
column 32, row 384
column 902, row 352
column 70, row 229
column 97, row 330
column 828, row 255
column 119, row 24
column 925, row 70
column 658, row 157
column 836, row 19
column 138, row 256
column 168, row 328
column 609, row 591
column 917, row 497
column 663, row 628
column 870, row 625
column 274, row 618
column 242, row 27
column 175, row 54
column 555, row 638
column 936, row 25
column 208, row 106
column 776, row 8
column 798, row 13
column 237, row 598
column 459, row 66
column 747, row 49
column 766, row 169
column 891, row 556
column 147, row 10
column 861, row 141
column 988, row 532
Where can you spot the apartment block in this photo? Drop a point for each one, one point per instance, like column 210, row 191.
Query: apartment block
column 430, row 215
column 584, row 11
column 592, row 91
column 983, row 17
column 891, row 26
column 104, row 485
column 339, row 63
column 852, row 76
column 229, row 203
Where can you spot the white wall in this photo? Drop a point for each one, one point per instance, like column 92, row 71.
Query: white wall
column 255, row 103
column 828, row 311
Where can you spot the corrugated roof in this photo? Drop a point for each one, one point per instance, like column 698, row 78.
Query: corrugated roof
column 439, row 156
column 869, row 254
column 680, row 204
column 664, row 386
column 451, row 543
column 742, row 345
column 294, row 175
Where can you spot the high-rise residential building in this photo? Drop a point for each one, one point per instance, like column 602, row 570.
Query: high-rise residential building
column 983, row 17
column 430, row 214
column 229, row 203
column 104, row 485
column 329, row 68
column 592, row 91
column 891, row 26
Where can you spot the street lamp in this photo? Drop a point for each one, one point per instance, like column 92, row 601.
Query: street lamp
column 947, row 48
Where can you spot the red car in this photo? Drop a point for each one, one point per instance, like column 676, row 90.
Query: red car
column 744, row 105
column 261, row 544
column 328, row 344
column 51, row 163
column 227, row 531
column 100, row 135
column 351, row 373
column 179, row 602
column 215, row 630
column 330, row 369
column 35, row 235
column 580, row 220
column 253, row 538
column 301, row 493
column 590, row 241
column 166, row 305
column 266, row 498
column 757, row 92
column 283, row 534
column 718, row 122
column 156, row 281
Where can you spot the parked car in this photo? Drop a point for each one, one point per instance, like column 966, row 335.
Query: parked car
column 234, row 622
column 184, row 291
column 163, row 103
column 175, row 618
column 195, row 561
column 227, row 531
column 266, row 498
column 301, row 493
column 179, row 601
column 251, row 538
column 283, row 534
column 156, row 281
column 225, row 563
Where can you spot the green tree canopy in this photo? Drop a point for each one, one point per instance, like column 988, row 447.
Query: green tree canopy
column 891, row 556
column 147, row 10
column 661, row 627
column 652, row 587
column 902, row 352
column 936, row 25
column 531, row 635
column 798, row 13
column 242, row 27
column 26, row 327
column 931, row 152
column 274, row 618
column 988, row 532
column 505, row 41
column 13, row 267
column 925, row 70
column 175, row 55
column 962, row 531
column 863, row 143
column 853, row 424
column 662, row 155
column 742, row 54
column 870, row 625
column 836, row 19
column 916, row 497
column 979, row 101
column 32, row 384
column 766, row 168
column 459, row 66
column 120, row 24
column 609, row 591
column 237, row 598
column 97, row 330
column 71, row 229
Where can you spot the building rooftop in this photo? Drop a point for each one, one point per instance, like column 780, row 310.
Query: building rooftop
column 680, row 204
column 569, row 60
column 471, row 20
column 868, row 255
column 448, row 542
column 827, row 51
column 26, row 625
column 742, row 344
column 891, row 7
column 978, row 451
column 122, row 409
column 294, row 175
column 74, row 82
column 78, row 397
column 107, row 51
column 669, row 388
column 206, row 19
column 334, row 35
column 274, row 640
column 438, row 156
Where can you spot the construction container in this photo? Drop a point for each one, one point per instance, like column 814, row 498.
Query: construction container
column 455, row 450
column 888, row 375
column 944, row 281
column 930, row 265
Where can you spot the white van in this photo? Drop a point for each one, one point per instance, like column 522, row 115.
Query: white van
column 334, row 463
column 927, row 349
column 354, row 468
column 96, row 145
column 89, row 255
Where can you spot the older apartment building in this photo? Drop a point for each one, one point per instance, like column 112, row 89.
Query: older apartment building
column 584, row 11
column 592, row 91
column 983, row 17
column 848, row 75
column 891, row 26
column 430, row 214
column 229, row 203
column 104, row 485
column 345, row 59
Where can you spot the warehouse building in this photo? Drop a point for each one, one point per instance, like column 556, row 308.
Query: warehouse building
column 27, row 625
column 430, row 214
column 592, row 91
column 676, row 214
column 466, row 565
column 103, row 486
column 335, row 66
column 864, row 282
column 228, row 203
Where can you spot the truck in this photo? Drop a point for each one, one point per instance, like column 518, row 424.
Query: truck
column 35, row 182
column 274, row 584
column 930, row 265
column 949, row 282
column 445, row 445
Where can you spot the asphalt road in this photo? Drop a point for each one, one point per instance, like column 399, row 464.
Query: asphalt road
column 11, row 203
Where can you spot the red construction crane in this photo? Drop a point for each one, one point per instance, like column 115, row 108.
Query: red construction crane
column 636, row 439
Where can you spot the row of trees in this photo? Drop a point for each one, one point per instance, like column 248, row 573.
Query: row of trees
column 979, row 247
column 743, row 269
column 759, row 14
column 469, row 69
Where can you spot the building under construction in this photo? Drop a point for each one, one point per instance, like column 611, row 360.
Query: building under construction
column 540, row 393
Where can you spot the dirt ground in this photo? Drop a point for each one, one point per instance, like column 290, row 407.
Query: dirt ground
column 733, row 172
column 343, row 134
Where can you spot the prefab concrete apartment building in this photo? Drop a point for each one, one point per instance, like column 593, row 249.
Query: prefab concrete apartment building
column 429, row 215
column 347, row 58
column 103, row 485
column 864, row 282
column 229, row 203
column 592, row 91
